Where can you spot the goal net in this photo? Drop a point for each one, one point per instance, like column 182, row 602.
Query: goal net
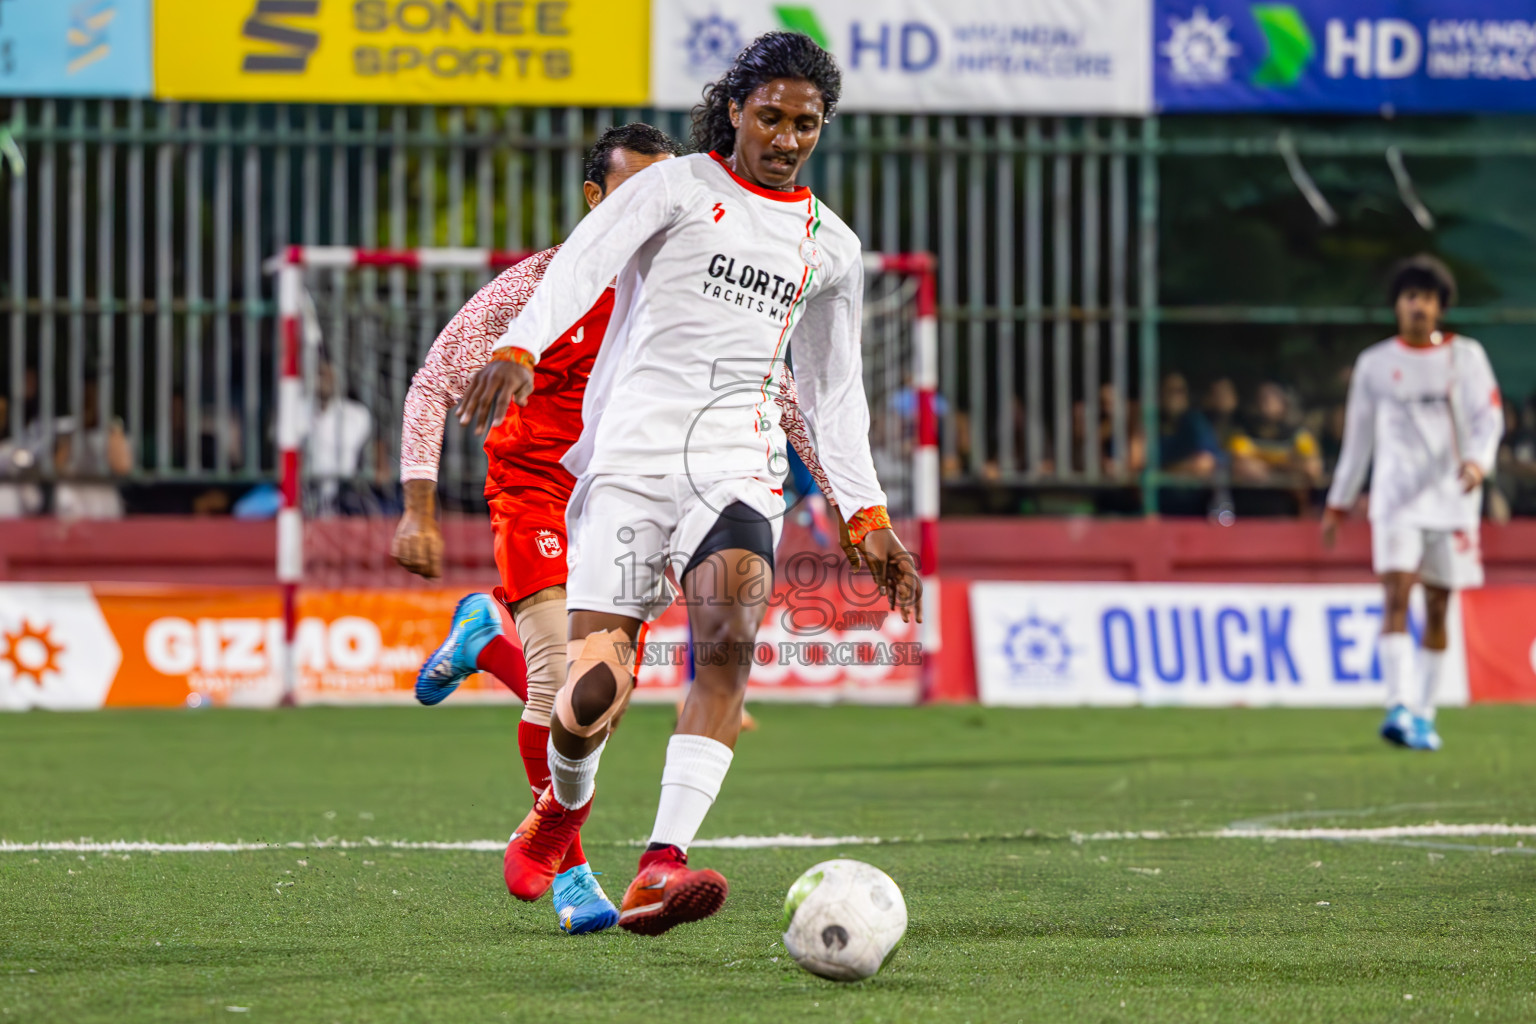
column 356, row 326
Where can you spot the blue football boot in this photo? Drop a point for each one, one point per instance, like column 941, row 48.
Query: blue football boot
column 1395, row 728
column 475, row 623
column 1422, row 735
column 581, row 903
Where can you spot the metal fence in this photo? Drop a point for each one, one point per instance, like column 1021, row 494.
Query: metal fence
column 134, row 292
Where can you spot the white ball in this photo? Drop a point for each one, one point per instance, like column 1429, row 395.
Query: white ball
column 843, row 919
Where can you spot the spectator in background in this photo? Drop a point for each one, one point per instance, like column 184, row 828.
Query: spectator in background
column 340, row 429
column 1515, row 482
column 1187, row 445
column 1275, row 449
column 87, row 455
column 20, row 495
column 1221, row 407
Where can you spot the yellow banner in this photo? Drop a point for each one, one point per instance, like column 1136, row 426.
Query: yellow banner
column 578, row 52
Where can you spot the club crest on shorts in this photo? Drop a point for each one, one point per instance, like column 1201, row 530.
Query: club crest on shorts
column 548, row 542
column 810, row 252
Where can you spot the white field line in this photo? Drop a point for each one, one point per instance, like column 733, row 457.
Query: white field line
column 1382, row 834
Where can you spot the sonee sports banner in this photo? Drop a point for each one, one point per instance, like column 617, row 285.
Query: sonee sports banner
column 555, row 52
column 1345, row 56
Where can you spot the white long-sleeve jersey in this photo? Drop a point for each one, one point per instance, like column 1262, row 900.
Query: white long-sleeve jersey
column 1417, row 414
column 715, row 276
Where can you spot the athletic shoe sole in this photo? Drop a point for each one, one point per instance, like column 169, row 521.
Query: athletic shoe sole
column 597, row 923
column 692, row 900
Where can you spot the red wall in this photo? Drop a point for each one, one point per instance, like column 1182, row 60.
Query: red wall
column 153, row 549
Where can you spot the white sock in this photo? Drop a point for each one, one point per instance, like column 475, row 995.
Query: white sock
column 1433, row 668
column 696, row 766
column 1396, row 653
column 573, row 779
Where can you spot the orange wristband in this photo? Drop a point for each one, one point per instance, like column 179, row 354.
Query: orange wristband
column 512, row 354
column 867, row 520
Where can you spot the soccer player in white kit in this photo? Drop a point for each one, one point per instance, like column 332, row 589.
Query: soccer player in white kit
column 721, row 260
column 1424, row 418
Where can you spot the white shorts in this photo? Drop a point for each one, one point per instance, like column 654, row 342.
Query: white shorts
column 625, row 533
column 1450, row 559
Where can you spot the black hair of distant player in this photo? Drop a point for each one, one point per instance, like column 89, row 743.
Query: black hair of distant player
column 769, row 56
column 637, row 137
column 1423, row 272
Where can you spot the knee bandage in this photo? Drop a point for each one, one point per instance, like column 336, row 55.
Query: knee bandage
column 541, row 628
column 600, row 675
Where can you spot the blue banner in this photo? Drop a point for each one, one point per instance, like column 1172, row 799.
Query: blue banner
column 75, row 48
column 1345, row 56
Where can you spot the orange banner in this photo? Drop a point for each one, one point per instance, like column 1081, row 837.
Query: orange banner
column 188, row 645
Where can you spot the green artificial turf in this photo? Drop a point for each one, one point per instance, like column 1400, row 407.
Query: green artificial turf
column 1017, row 912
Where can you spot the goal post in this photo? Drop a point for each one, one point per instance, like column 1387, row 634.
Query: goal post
column 388, row 298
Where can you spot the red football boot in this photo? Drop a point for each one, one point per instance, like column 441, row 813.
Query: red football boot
column 667, row 893
column 539, row 844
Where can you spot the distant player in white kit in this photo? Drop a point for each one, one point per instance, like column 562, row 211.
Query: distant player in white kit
column 1424, row 417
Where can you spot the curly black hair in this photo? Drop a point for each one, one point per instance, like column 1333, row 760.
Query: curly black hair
column 637, row 137
column 769, row 56
column 1426, row 272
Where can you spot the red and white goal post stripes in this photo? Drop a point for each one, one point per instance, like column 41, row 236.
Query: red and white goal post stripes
column 292, row 264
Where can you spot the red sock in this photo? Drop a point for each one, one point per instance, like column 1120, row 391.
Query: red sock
column 533, row 744
column 505, row 661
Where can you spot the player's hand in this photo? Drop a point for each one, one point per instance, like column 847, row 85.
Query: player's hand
column 1332, row 517
column 1471, row 477
column 494, row 387
column 418, row 546
column 418, row 541
column 895, row 570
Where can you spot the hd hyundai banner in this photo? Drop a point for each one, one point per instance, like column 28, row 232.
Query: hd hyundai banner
column 1345, row 56
column 1050, row 56
column 68, row 647
column 1300, row 645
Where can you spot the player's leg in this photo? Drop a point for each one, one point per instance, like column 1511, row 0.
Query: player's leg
column 580, row 903
column 476, row 643
column 599, row 677
column 1396, row 553
column 616, row 524
column 1437, row 603
column 1452, row 561
column 726, row 585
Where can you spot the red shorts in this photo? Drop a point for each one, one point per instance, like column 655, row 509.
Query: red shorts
column 530, row 541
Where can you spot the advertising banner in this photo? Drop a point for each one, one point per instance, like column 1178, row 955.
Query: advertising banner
column 72, row 647
column 82, row 48
column 1345, row 56
column 1050, row 56
column 556, row 52
column 1501, row 643
column 1194, row 644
